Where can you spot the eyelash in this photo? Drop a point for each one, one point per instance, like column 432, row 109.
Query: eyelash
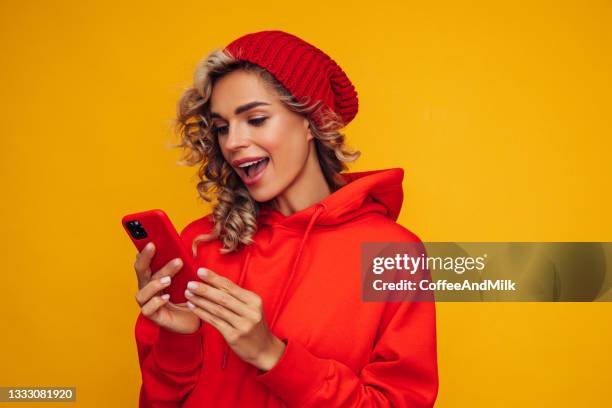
column 255, row 122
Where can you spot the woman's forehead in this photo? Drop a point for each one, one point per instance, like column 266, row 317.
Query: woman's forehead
column 239, row 88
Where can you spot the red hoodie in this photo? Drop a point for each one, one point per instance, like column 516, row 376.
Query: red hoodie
column 340, row 351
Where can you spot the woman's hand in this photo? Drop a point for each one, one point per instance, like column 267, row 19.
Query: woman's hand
column 238, row 315
column 157, row 308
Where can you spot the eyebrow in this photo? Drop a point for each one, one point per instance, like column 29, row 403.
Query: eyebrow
column 242, row 108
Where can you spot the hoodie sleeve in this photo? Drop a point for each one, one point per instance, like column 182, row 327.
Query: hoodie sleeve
column 402, row 371
column 169, row 363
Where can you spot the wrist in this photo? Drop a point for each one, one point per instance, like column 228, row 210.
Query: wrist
column 268, row 359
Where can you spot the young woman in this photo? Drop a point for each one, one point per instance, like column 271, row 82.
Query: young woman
column 275, row 316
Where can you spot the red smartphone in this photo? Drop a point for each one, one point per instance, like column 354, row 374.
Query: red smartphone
column 155, row 226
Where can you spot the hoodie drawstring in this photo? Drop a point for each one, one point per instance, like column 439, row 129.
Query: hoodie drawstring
column 281, row 300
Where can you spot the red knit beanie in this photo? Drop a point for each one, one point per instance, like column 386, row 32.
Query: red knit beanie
column 302, row 68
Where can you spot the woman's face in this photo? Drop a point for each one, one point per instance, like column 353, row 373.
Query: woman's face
column 265, row 143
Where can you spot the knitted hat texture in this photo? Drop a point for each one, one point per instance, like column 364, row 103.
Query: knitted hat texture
column 302, row 68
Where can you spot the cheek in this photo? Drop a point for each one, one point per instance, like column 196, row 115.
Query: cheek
column 287, row 143
column 289, row 153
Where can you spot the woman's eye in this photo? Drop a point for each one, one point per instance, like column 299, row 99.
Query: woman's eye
column 219, row 130
column 258, row 121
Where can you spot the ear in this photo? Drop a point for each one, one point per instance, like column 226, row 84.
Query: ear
column 309, row 135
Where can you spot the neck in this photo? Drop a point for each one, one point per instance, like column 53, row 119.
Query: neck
column 308, row 188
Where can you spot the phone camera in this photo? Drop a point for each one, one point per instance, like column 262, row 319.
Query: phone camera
column 136, row 229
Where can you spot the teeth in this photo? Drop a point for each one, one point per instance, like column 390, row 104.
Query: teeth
column 243, row 165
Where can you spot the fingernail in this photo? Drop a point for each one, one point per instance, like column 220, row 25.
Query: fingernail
column 190, row 305
column 165, row 279
column 188, row 293
column 149, row 246
column 202, row 273
column 192, row 285
column 166, row 296
column 178, row 262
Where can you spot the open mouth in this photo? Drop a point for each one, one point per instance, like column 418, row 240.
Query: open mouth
column 252, row 171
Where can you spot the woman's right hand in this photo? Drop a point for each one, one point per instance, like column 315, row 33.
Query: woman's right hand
column 176, row 318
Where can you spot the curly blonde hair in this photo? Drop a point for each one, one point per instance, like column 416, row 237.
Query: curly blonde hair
column 235, row 211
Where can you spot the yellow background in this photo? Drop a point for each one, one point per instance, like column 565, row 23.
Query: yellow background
column 499, row 114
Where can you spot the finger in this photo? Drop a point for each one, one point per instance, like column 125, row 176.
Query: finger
column 225, row 285
column 224, row 328
column 215, row 309
column 221, row 298
column 153, row 305
column 143, row 261
column 171, row 268
column 151, row 288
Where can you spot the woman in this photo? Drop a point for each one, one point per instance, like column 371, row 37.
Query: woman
column 278, row 290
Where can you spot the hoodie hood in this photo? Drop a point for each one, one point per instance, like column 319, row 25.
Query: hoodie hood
column 375, row 191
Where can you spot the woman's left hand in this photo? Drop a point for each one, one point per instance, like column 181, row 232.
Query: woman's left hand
column 238, row 315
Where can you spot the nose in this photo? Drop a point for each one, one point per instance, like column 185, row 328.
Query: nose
column 236, row 138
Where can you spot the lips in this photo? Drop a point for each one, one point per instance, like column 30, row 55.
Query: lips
column 253, row 170
column 238, row 162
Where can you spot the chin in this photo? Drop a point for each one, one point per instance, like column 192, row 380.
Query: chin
column 262, row 194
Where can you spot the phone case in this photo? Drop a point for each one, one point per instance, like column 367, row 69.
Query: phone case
column 154, row 225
